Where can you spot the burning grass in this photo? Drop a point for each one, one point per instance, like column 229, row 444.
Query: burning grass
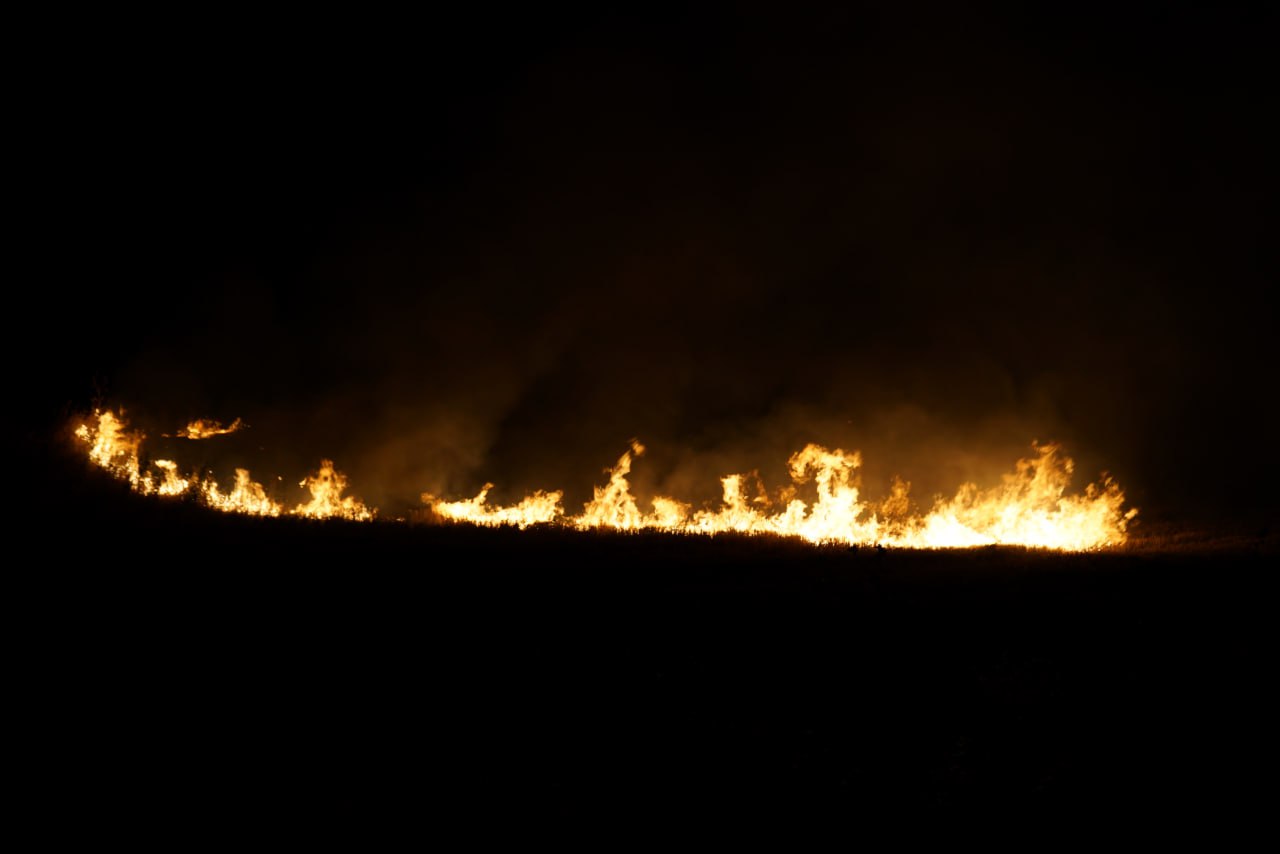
column 823, row 504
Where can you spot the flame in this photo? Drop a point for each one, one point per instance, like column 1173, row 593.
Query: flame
column 173, row 483
column 613, row 505
column 245, row 497
column 1029, row 507
column 113, row 446
column 327, row 502
column 538, row 508
column 833, row 517
column 204, row 428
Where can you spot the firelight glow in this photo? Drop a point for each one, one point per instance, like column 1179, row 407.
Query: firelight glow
column 1029, row 507
column 204, row 428
column 114, row 447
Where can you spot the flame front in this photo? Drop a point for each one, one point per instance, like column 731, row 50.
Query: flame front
column 173, row 483
column 1030, row 506
column 114, row 447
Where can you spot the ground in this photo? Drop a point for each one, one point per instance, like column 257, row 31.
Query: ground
column 215, row 670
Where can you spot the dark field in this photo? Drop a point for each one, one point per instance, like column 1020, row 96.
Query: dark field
column 216, row 671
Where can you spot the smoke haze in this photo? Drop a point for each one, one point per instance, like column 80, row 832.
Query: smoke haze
column 498, row 255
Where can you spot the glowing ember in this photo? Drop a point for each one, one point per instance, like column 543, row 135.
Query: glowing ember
column 203, row 428
column 1030, row 507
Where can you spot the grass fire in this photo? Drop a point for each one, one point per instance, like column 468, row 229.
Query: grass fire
column 823, row 503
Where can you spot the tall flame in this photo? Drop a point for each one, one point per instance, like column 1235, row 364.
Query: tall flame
column 613, row 505
column 113, row 446
column 327, row 501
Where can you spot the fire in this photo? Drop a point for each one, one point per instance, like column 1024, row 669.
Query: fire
column 113, row 446
column 835, row 515
column 536, row 509
column 1031, row 506
column 245, row 497
column 614, row 507
column 204, row 428
column 173, row 483
column 327, row 501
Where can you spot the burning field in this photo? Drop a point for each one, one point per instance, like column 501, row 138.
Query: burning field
column 617, row 414
column 1030, row 507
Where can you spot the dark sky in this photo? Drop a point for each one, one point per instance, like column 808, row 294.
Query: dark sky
column 478, row 247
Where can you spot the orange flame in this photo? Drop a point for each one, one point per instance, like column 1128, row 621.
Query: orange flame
column 113, row 446
column 613, row 505
column 173, row 483
column 1030, row 506
column 245, row 497
column 327, row 502
column 204, row 428
column 536, row 509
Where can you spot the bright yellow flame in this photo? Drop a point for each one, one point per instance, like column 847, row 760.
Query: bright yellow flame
column 327, row 501
column 113, row 446
column 835, row 515
column 245, row 497
column 173, row 483
column 537, row 508
column 205, row 428
column 613, row 505
column 1029, row 507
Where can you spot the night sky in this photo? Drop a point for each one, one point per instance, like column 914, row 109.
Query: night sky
column 490, row 248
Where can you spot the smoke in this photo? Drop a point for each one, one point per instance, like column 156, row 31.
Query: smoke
column 726, row 252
